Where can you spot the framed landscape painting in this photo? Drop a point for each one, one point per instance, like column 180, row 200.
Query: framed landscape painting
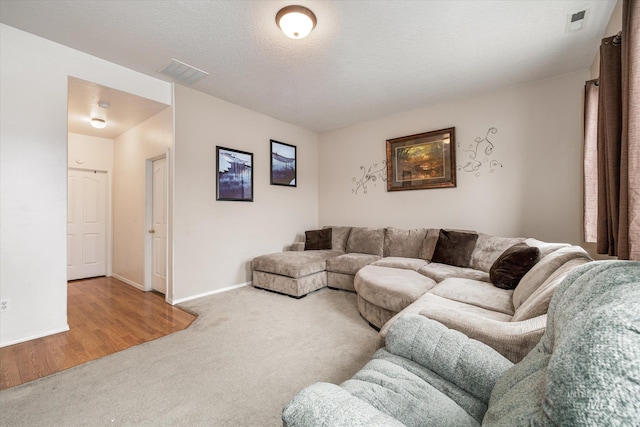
column 425, row 160
column 235, row 175
column 283, row 164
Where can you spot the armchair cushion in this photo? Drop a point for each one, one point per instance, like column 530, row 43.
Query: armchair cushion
column 467, row 363
column 331, row 405
column 586, row 368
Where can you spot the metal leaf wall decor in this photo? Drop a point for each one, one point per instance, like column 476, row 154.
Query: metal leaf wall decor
column 478, row 155
column 371, row 174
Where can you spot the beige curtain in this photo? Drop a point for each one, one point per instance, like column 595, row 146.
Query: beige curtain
column 619, row 139
column 590, row 159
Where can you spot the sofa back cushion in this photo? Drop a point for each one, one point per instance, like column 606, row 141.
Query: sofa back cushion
column 403, row 243
column 429, row 244
column 538, row 302
column 365, row 240
column 339, row 237
column 544, row 247
column 545, row 267
column 585, row 369
column 488, row 248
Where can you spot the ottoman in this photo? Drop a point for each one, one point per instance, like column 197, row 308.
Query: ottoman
column 294, row 273
column 383, row 292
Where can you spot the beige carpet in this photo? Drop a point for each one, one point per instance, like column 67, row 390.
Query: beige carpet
column 245, row 356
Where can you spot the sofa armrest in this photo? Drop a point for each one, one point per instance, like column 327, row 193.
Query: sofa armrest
column 470, row 364
column 512, row 339
column 324, row 404
column 297, row 246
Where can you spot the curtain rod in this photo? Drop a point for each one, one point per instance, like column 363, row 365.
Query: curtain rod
column 617, row 39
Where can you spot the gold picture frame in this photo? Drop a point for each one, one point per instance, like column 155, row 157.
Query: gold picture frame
column 425, row 160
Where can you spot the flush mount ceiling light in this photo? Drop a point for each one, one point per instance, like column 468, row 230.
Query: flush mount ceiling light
column 296, row 21
column 98, row 123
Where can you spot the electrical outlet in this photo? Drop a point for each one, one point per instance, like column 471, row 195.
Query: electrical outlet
column 4, row 305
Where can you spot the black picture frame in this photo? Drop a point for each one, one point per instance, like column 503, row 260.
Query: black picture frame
column 422, row 161
column 284, row 167
column 234, row 177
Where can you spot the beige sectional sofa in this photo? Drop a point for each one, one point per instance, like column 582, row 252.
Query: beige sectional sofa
column 396, row 271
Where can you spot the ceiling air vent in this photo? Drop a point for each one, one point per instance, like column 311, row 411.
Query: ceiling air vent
column 577, row 21
column 182, row 72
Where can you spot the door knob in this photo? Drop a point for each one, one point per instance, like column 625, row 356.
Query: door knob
column 152, row 231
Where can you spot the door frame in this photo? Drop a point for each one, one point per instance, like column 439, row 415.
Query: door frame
column 148, row 221
column 108, row 203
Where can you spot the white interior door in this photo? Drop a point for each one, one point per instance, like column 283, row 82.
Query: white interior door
column 86, row 224
column 159, row 224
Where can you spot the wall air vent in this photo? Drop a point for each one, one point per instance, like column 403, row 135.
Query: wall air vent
column 182, row 72
column 577, row 21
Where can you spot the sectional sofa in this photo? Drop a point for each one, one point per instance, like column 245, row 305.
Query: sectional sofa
column 494, row 289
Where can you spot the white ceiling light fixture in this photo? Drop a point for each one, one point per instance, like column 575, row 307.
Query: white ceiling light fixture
column 296, row 22
column 98, row 123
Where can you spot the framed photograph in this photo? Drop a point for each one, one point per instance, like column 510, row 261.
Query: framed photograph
column 235, row 175
column 283, row 164
column 426, row 160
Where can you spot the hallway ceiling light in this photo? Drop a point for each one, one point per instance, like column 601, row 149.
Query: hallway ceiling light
column 98, row 123
column 296, row 22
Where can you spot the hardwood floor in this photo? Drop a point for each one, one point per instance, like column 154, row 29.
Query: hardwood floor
column 105, row 315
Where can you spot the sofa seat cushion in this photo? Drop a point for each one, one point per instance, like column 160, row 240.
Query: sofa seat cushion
column 446, row 311
column 414, row 264
column 391, row 288
column 475, row 292
column 294, row 264
column 350, row 263
column 439, row 272
column 413, row 394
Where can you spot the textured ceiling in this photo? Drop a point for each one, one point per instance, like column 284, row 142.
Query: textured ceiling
column 364, row 60
column 124, row 112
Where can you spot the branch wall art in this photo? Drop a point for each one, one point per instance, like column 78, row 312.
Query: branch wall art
column 371, row 174
column 478, row 155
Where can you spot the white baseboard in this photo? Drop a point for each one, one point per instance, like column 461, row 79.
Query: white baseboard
column 33, row 337
column 128, row 282
column 216, row 291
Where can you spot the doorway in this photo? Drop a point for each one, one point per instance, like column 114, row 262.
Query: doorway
column 157, row 241
column 135, row 130
column 86, row 224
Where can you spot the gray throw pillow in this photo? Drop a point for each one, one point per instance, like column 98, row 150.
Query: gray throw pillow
column 317, row 239
column 454, row 248
column 512, row 265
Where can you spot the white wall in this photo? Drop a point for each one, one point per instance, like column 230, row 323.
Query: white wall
column 90, row 152
column 535, row 193
column 33, row 173
column 148, row 140
column 216, row 240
